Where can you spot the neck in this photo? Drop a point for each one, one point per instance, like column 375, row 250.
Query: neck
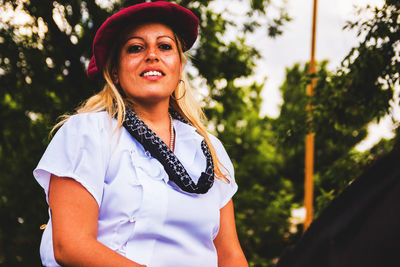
column 151, row 113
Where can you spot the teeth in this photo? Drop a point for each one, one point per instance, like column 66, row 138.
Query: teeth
column 152, row 73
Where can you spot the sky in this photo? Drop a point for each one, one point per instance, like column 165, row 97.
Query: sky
column 294, row 45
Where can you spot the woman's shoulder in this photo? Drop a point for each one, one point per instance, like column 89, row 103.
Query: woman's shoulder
column 219, row 148
column 89, row 126
column 216, row 142
column 90, row 121
column 90, row 117
column 186, row 131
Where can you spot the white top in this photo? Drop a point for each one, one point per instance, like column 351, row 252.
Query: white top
column 142, row 215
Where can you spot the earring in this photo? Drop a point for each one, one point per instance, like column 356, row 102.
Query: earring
column 115, row 78
column 184, row 92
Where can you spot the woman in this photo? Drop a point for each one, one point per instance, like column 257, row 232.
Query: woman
column 143, row 194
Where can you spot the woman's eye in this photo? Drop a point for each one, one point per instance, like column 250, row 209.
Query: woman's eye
column 165, row 46
column 134, row 48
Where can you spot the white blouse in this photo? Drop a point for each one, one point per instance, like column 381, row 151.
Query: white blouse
column 142, row 215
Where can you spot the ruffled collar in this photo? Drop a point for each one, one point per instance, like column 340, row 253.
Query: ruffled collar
column 188, row 147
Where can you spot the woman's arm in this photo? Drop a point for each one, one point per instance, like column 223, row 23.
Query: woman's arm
column 227, row 243
column 74, row 214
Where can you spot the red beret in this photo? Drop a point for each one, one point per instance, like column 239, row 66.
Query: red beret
column 182, row 21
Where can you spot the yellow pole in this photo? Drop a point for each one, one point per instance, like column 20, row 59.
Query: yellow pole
column 309, row 146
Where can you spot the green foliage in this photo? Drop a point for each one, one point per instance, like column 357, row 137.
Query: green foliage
column 215, row 59
column 344, row 103
column 336, row 161
column 42, row 75
column 369, row 72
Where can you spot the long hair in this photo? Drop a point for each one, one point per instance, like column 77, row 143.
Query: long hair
column 110, row 99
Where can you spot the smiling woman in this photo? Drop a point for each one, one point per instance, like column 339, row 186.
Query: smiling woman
column 134, row 179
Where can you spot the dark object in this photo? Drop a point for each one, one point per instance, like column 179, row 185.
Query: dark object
column 172, row 165
column 182, row 21
column 359, row 228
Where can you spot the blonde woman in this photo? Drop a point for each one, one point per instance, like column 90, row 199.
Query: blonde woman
column 134, row 179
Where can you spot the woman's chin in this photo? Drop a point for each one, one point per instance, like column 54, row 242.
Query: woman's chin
column 154, row 98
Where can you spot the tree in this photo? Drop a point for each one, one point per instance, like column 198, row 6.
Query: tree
column 360, row 91
column 345, row 102
column 42, row 75
column 334, row 143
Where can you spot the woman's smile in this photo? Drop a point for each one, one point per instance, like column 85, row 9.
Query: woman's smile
column 152, row 74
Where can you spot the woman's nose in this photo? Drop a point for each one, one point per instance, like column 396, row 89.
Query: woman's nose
column 152, row 55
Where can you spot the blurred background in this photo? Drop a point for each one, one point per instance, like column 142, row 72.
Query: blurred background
column 250, row 68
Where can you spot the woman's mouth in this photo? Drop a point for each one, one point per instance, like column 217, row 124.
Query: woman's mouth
column 152, row 73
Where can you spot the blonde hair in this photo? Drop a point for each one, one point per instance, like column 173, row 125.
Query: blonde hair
column 109, row 99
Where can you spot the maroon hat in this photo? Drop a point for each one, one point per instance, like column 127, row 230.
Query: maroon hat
column 182, row 21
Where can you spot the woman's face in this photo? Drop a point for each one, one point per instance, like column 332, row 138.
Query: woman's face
column 149, row 65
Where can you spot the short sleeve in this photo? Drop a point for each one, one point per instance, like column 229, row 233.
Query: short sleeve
column 227, row 189
column 78, row 151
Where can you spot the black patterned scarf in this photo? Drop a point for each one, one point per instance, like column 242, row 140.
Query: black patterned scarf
column 159, row 150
